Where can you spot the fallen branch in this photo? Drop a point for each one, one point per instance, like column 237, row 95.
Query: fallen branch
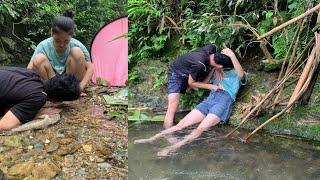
column 310, row 11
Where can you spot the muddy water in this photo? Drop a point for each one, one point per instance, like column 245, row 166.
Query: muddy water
column 264, row 157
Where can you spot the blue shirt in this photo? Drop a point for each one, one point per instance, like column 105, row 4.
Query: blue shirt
column 58, row 61
column 230, row 82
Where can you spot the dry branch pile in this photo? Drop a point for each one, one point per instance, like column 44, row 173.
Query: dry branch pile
column 308, row 59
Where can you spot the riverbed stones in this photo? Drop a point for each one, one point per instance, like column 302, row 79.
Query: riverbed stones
column 45, row 170
column 12, row 141
column 21, row 170
column 52, row 147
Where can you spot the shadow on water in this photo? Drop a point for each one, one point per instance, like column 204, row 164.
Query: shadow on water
column 264, row 157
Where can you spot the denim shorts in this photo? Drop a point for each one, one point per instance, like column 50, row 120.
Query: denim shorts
column 177, row 84
column 218, row 103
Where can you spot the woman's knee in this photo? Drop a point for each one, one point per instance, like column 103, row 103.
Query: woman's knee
column 77, row 53
column 39, row 60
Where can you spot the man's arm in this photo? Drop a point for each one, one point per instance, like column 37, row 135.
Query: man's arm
column 195, row 84
column 9, row 121
column 209, row 76
column 87, row 77
column 237, row 66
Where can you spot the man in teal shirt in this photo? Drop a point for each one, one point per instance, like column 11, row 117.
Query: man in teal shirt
column 62, row 54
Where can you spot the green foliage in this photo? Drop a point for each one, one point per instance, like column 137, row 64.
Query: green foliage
column 32, row 21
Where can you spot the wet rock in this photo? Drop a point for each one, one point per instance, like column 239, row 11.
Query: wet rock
column 13, row 141
column 21, row 170
column 104, row 150
column 2, row 149
column 2, row 176
column 99, row 160
column 81, row 171
column 32, row 153
column 104, row 165
column 101, row 82
column 39, row 145
column 65, row 141
column 87, row 148
column 70, row 149
column 45, row 170
column 52, row 147
column 68, row 161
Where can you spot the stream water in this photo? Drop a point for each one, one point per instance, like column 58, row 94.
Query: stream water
column 263, row 157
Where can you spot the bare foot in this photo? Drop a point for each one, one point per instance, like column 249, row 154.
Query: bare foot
column 167, row 124
column 142, row 141
column 164, row 152
column 171, row 139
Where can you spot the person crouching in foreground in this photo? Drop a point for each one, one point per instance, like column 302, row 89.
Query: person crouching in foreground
column 23, row 93
column 215, row 108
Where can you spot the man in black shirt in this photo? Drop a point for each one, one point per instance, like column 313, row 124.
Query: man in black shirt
column 23, row 93
column 192, row 69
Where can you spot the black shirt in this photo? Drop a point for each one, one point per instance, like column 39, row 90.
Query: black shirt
column 22, row 91
column 196, row 63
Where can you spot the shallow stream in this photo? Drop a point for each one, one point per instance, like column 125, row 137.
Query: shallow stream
column 263, row 157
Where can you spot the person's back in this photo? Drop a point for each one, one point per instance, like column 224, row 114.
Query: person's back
column 22, row 92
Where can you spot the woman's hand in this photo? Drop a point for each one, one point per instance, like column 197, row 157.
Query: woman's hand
column 228, row 52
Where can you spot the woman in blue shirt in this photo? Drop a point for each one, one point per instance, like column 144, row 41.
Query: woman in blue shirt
column 61, row 53
column 215, row 108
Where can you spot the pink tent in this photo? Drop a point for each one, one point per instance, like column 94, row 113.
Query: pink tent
column 109, row 52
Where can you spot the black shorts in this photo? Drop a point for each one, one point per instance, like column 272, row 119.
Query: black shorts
column 177, row 84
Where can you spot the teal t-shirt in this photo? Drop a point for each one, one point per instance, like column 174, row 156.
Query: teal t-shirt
column 58, row 61
column 230, row 82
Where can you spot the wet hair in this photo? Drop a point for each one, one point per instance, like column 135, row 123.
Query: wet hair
column 64, row 22
column 63, row 87
column 223, row 60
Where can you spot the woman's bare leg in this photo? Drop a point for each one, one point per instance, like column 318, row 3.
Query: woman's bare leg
column 40, row 63
column 209, row 121
column 76, row 63
column 195, row 116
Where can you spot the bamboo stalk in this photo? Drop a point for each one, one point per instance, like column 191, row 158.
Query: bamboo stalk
column 290, row 104
column 295, row 42
column 306, row 96
column 310, row 11
column 306, row 71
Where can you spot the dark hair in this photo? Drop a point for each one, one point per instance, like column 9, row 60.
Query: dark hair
column 64, row 22
column 223, row 60
column 63, row 87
